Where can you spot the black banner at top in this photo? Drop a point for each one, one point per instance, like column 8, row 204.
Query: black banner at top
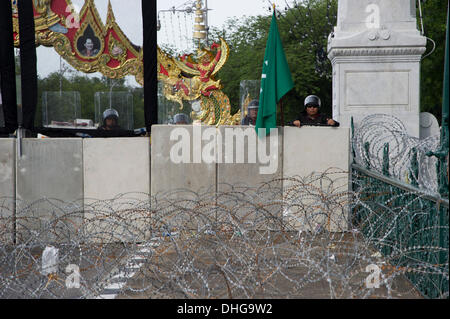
column 149, row 17
column 27, row 63
column 7, row 68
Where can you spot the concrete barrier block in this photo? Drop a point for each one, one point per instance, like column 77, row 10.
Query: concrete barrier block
column 116, row 188
column 178, row 163
column 49, row 189
column 251, row 165
column 182, row 170
column 316, row 163
column 7, row 188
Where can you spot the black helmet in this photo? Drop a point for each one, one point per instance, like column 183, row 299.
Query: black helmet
column 312, row 100
column 254, row 104
column 110, row 113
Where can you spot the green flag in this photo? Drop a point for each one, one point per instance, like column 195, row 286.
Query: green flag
column 276, row 79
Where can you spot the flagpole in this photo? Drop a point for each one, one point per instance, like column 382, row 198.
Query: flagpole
column 276, row 79
column 281, row 101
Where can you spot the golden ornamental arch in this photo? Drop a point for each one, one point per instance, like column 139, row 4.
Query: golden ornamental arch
column 90, row 46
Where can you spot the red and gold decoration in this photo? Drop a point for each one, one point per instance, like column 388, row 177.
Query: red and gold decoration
column 82, row 39
column 189, row 78
column 91, row 46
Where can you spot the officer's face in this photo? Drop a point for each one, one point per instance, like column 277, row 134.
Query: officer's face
column 312, row 110
column 253, row 113
column 110, row 122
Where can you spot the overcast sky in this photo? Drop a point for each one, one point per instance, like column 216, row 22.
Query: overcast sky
column 175, row 28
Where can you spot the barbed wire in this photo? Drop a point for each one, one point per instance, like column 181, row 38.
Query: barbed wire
column 376, row 131
column 287, row 238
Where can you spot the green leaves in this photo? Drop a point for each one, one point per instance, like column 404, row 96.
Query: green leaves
column 304, row 31
column 432, row 66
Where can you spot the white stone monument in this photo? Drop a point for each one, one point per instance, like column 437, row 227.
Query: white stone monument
column 429, row 125
column 375, row 51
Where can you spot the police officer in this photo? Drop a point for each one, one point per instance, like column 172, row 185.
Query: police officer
column 311, row 114
column 110, row 120
column 250, row 118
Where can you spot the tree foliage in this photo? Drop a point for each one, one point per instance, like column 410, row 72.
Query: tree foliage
column 432, row 66
column 304, row 28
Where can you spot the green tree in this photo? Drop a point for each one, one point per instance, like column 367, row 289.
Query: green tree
column 432, row 66
column 304, row 28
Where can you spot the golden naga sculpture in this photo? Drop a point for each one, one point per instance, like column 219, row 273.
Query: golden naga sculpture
column 48, row 19
column 91, row 46
column 190, row 79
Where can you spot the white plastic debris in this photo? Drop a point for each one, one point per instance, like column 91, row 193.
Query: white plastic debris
column 50, row 260
column 376, row 255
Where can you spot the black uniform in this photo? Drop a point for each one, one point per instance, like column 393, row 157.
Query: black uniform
column 320, row 119
column 248, row 121
column 115, row 127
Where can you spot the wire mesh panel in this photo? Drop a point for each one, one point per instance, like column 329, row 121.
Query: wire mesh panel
column 167, row 109
column 61, row 109
column 120, row 101
column 249, row 90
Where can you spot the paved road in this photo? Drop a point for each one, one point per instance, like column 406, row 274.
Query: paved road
column 267, row 265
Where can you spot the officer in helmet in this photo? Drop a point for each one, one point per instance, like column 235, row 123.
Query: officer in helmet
column 181, row 119
column 110, row 120
column 250, row 118
column 311, row 114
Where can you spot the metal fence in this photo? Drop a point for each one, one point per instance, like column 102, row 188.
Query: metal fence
column 398, row 206
column 407, row 226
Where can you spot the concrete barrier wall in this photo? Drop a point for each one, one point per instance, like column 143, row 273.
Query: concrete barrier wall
column 178, row 173
column 254, row 162
column 7, row 188
column 116, row 182
column 176, row 159
column 199, row 157
column 109, row 176
column 113, row 166
column 49, row 185
column 59, row 182
column 307, row 152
